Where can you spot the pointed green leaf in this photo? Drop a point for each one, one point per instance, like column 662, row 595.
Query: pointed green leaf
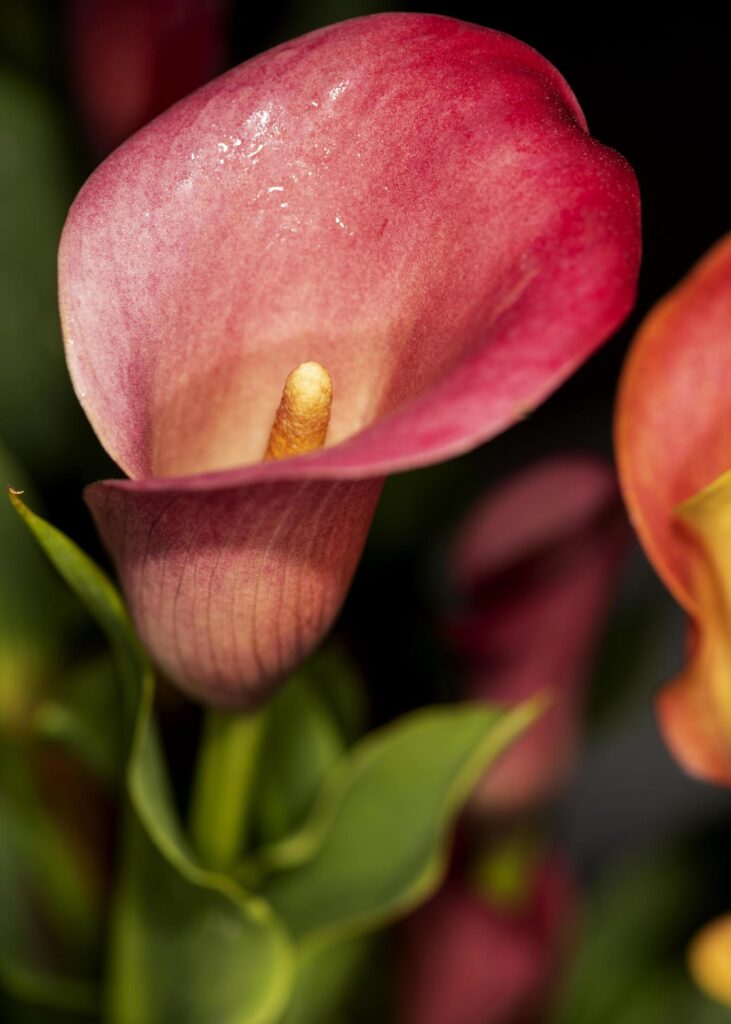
column 33, row 603
column 175, row 921
column 376, row 842
column 98, row 595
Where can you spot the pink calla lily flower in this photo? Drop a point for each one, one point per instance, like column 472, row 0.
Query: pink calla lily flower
column 412, row 202
column 535, row 564
column 674, row 454
column 465, row 959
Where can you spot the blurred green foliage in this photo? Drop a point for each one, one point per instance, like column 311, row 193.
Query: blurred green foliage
column 629, row 965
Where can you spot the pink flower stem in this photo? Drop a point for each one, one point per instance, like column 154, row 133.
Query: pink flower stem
column 224, row 784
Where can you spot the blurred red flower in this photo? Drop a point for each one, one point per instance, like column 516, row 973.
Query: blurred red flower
column 463, row 958
column 535, row 566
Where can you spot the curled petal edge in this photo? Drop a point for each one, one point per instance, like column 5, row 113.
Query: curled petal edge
column 670, row 425
column 695, row 709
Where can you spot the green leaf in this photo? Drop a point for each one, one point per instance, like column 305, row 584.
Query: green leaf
column 188, row 944
column 302, row 743
column 336, row 678
column 324, row 980
column 376, row 842
column 36, row 611
column 98, row 595
column 373, row 845
column 192, row 946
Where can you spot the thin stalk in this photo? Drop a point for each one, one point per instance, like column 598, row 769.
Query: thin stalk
column 224, row 785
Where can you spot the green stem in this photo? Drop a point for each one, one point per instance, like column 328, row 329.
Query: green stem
column 223, row 786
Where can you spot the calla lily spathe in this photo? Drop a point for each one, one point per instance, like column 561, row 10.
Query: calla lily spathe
column 412, row 202
column 534, row 567
column 674, row 455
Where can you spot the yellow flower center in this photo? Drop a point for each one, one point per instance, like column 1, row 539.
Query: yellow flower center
column 303, row 416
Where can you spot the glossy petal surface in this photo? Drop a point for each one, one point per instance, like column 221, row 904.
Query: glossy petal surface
column 409, row 200
column 535, row 564
column 674, row 450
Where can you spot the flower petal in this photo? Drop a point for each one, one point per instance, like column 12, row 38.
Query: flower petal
column 674, row 451
column 536, row 562
column 412, row 202
column 230, row 589
column 409, row 200
column 695, row 709
column 672, row 433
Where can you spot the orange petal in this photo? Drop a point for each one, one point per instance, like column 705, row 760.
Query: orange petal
column 695, row 710
column 672, row 430
column 673, row 439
